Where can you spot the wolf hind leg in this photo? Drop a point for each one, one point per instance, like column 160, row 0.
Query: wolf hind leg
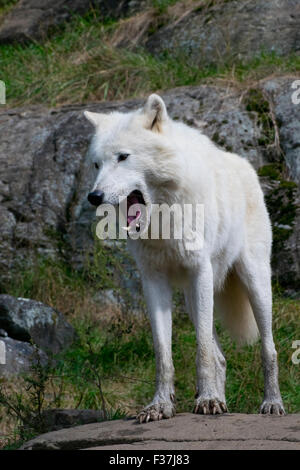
column 255, row 273
column 220, row 365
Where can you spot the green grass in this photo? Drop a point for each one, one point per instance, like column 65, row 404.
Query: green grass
column 79, row 64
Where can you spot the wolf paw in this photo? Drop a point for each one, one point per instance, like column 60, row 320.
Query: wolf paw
column 272, row 408
column 156, row 412
column 209, row 406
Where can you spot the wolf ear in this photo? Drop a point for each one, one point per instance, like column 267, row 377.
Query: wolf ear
column 92, row 117
column 97, row 119
column 155, row 113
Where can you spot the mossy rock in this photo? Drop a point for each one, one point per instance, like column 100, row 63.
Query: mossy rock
column 281, row 199
column 257, row 105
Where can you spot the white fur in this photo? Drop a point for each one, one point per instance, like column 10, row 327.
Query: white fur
column 170, row 162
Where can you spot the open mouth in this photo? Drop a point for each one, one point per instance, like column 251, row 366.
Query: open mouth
column 134, row 214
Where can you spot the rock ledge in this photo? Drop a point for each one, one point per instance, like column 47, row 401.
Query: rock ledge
column 185, row 432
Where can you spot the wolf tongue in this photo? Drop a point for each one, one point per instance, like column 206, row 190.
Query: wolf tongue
column 131, row 201
column 130, row 218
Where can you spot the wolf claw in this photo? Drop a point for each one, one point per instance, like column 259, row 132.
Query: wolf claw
column 206, row 407
column 272, row 408
column 156, row 412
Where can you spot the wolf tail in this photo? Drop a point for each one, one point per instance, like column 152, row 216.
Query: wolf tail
column 233, row 307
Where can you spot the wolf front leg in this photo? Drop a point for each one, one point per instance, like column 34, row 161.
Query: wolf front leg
column 158, row 296
column 209, row 398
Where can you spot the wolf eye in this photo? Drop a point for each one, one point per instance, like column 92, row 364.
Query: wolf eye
column 96, row 166
column 122, row 157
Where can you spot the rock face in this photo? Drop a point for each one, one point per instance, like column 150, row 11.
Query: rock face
column 26, row 320
column 220, row 32
column 287, row 113
column 283, row 197
column 45, row 175
column 17, row 356
column 185, row 431
column 32, row 19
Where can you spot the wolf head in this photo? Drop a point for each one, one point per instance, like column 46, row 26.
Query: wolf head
column 133, row 156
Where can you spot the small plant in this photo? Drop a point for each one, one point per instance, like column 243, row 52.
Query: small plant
column 73, row 378
column 5, row 5
column 26, row 406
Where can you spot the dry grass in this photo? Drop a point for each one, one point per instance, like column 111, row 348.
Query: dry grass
column 130, row 31
column 68, row 291
column 135, row 30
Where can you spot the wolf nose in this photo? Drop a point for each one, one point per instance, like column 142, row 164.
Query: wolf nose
column 96, row 197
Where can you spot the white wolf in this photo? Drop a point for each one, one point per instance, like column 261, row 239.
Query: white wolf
column 147, row 158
